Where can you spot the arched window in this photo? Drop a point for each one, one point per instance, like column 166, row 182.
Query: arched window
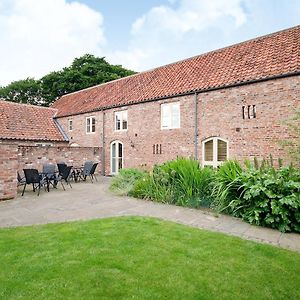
column 116, row 157
column 214, row 151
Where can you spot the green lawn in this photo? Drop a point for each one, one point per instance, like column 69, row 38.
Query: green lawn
column 140, row 258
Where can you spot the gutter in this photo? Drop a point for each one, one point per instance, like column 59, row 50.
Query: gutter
column 198, row 91
column 196, row 128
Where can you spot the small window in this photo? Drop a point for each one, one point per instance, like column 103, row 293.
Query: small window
column 70, row 125
column 249, row 112
column 90, row 124
column 215, row 152
column 170, row 115
column 121, row 120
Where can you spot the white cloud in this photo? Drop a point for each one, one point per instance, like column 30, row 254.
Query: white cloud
column 166, row 33
column 41, row 36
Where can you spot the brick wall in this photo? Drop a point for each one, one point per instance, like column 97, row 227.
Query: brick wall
column 14, row 157
column 35, row 157
column 219, row 114
column 8, row 167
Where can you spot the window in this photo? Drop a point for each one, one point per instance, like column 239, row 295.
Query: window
column 70, row 125
column 121, row 122
column 214, row 151
column 249, row 112
column 170, row 115
column 90, row 124
column 116, row 157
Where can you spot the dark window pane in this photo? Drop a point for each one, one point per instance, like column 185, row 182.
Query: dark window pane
column 208, row 150
column 222, row 150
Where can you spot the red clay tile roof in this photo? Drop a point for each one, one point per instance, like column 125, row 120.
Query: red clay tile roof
column 261, row 58
column 28, row 122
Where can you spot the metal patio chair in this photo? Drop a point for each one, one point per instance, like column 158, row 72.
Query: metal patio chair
column 33, row 177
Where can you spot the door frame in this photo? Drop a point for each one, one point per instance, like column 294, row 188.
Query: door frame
column 116, row 142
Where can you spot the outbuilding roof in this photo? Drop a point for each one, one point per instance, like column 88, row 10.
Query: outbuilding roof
column 28, row 122
column 265, row 57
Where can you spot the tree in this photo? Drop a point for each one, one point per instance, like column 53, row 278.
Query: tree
column 85, row 71
column 23, row 91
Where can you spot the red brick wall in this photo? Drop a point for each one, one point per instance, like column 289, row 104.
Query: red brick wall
column 35, row 157
column 78, row 135
column 8, row 174
column 15, row 158
column 219, row 114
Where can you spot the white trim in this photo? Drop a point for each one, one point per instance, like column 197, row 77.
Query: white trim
column 117, row 156
column 214, row 163
column 91, row 126
column 120, row 113
column 170, row 105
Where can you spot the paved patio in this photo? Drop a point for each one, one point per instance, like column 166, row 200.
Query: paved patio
column 89, row 201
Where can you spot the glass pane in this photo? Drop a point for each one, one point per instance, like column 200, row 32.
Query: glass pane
column 124, row 120
column 166, row 117
column 208, row 150
column 93, row 124
column 120, row 149
column 120, row 160
column 113, row 165
column 88, row 125
column 222, row 150
column 176, row 115
column 118, row 122
column 113, row 150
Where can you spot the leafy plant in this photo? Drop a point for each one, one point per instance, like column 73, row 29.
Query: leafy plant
column 123, row 183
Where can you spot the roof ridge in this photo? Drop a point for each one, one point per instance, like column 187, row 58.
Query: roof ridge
column 183, row 60
column 28, row 104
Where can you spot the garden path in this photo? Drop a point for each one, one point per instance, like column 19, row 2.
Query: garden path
column 89, row 201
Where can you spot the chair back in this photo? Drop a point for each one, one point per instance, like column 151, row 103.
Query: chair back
column 66, row 172
column 93, row 168
column 87, row 168
column 32, row 176
column 49, row 169
column 61, row 167
column 19, row 177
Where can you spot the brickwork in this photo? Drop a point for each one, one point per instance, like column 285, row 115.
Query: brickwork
column 8, row 167
column 219, row 114
column 35, row 157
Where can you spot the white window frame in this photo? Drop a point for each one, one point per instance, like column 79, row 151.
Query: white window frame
column 91, row 126
column 171, row 125
column 117, row 156
column 121, row 116
column 214, row 163
column 70, row 124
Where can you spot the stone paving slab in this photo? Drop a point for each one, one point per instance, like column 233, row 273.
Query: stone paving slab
column 89, row 201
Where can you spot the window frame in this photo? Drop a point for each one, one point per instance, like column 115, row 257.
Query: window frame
column 214, row 163
column 90, row 118
column 171, row 126
column 117, row 156
column 120, row 113
column 70, row 124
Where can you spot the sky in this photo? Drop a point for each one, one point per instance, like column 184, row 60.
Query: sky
column 40, row 36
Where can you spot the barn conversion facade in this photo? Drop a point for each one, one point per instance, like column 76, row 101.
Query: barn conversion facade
column 228, row 103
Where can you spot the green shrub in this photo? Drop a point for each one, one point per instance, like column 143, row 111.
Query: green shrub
column 122, row 183
column 181, row 182
column 261, row 195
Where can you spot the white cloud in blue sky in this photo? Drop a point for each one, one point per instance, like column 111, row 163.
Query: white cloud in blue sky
column 38, row 36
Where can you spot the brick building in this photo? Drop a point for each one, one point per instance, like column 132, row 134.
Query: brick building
column 228, row 103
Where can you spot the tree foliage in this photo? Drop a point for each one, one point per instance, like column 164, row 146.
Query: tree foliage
column 84, row 72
